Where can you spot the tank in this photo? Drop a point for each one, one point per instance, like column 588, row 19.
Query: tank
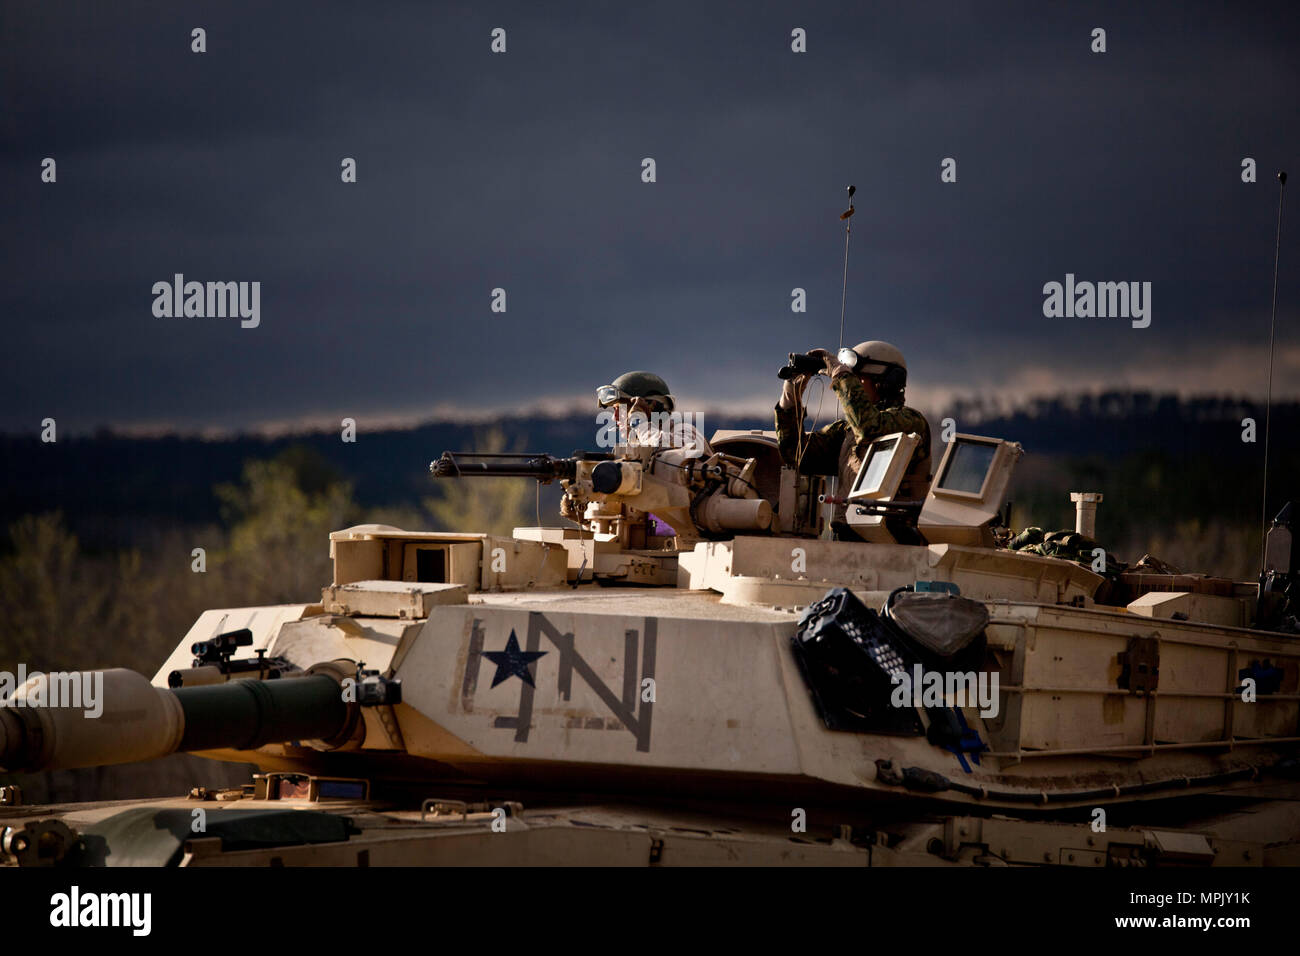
column 693, row 672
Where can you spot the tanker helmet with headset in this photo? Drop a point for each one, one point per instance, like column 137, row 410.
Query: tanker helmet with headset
column 880, row 360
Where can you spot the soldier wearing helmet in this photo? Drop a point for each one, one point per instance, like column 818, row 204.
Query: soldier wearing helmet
column 643, row 411
column 869, row 380
column 643, row 414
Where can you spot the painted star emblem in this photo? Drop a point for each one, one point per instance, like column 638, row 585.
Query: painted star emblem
column 513, row 662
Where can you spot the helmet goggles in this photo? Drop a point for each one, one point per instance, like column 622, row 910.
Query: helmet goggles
column 852, row 360
column 608, row 395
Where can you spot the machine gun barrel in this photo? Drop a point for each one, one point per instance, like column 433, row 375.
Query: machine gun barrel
column 544, row 468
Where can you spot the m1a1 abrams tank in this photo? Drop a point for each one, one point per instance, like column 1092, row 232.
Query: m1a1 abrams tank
column 739, row 691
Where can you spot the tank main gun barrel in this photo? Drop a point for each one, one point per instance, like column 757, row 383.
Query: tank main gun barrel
column 544, row 468
column 137, row 721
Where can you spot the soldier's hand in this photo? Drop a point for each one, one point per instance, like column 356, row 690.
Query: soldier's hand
column 793, row 390
column 833, row 364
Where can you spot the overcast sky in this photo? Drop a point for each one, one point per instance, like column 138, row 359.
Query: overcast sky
column 522, row 170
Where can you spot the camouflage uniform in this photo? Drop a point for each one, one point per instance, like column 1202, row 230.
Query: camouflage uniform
column 838, row 448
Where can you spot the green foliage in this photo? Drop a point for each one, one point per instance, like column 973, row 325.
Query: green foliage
column 60, row 604
column 280, row 517
column 65, row 608
column 484, row 505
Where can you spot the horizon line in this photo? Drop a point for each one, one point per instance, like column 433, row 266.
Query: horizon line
column 990, row 405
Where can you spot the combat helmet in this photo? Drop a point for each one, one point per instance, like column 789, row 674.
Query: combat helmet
column 634, row 385
column 882, row 361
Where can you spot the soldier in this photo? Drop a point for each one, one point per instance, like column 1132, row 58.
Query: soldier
column 644, row 411
column 643, row 415
column 871, row 390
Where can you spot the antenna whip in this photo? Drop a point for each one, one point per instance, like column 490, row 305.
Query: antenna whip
column 1268, row 401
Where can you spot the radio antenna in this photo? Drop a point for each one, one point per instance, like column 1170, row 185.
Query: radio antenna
column 847, row 217
column 1268, row 401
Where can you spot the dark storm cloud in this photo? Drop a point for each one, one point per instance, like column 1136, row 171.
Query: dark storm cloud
column 522, row 171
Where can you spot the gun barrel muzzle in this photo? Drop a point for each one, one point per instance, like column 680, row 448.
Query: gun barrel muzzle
column 117, row 716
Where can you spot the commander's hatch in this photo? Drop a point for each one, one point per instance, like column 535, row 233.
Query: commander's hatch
column 968, row 490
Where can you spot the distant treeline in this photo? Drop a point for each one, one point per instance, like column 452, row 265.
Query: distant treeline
column 1116, row 423
column 108, row 485
column 1159, row 460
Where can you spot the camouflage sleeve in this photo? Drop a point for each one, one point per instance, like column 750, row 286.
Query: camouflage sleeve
column 869, row 419
column 787, row 433
column 821, row 452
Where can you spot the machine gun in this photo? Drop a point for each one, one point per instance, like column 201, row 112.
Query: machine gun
column 544, row 468
column 614, row 494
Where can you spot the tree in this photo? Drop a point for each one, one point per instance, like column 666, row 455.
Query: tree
column 280, row 519
column 64, row 609
column 486, row 505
